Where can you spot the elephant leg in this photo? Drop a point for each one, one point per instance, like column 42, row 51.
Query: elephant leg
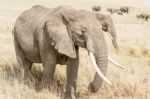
column 23, row 61
column 146, row 18
column 72, row 72
column 49, row 66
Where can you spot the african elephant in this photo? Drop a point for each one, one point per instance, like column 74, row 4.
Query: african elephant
column 124, row 9
column 108, row 26
column 53, row 36
column 119, row 13
column 112, row 11
column 96, row 8
column 143, row 16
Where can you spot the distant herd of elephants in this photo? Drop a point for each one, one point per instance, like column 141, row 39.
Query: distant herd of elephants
column 53, row 36
column 123, row 10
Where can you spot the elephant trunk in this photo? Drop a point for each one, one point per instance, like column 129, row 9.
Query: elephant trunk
column 114, row 40
column 101, row 57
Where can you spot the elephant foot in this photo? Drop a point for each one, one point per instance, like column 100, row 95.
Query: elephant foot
column 38, row 86
column 59, row 88
column 92, row 88
column 72, row 96
column 48, row 83
column 28, row 78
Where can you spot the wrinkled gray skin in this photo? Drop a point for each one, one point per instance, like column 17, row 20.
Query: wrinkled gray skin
column 108, row 26
column 53, row 36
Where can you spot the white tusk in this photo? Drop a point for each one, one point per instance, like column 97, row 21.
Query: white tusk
column 115, row 63
column 97, row 69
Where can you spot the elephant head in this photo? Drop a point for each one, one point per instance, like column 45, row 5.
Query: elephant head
column 108, row 26
column 69, row 28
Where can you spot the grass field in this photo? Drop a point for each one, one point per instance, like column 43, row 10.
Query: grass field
column 133, row 39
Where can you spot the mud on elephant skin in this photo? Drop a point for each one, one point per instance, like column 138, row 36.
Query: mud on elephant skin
column 53, row 36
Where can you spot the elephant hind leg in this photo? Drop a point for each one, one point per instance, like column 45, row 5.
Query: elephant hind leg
column 25, row 64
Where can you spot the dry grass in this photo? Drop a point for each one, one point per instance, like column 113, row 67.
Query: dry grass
column 134, row 52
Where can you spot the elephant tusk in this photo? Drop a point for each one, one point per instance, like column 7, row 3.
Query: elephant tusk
column 97, row 69
column 115, row 63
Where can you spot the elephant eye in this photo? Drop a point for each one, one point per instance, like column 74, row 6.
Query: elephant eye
column 83, row 30
column 105, row 27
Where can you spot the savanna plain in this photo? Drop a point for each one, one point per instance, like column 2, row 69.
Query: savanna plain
column 133, row 36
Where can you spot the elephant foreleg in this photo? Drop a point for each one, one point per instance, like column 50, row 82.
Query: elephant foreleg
column 72, row 72
column 49, row 65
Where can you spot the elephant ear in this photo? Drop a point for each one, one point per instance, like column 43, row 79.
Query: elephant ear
column 60, row 38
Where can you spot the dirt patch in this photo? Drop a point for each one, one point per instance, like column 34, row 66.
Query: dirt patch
column 132, row 52
column 145, row 52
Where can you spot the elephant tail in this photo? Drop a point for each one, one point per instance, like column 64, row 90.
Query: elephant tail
column 13, row 31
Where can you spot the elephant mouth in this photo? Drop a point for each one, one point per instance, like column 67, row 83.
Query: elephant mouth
column 80, row 43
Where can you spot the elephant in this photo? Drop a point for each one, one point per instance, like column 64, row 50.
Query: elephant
column 108, row 26
column 96, row 8
column 112, row 11
column 53, row 36
column 143, row 16
column 124, row 9
column 119, row 13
